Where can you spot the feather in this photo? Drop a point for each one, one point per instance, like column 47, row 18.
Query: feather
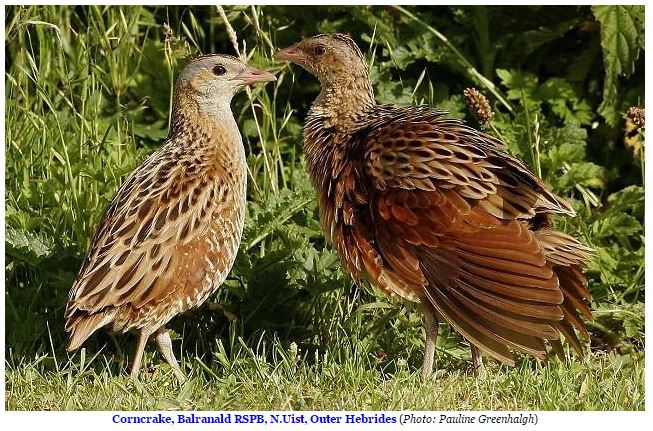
column 440, row 213
column 170, row 235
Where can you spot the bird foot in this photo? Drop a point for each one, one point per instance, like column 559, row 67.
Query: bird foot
column 181, row 379
column 477, row 360
column 480, row 372
column 428, row 374
column 164, row 343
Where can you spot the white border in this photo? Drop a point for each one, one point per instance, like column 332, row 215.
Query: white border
column 547, row 420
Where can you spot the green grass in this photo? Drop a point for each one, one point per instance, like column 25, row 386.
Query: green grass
column 286, row 382
column 87, row 92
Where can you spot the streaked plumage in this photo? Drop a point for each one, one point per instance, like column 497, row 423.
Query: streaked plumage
column 434, row 211
column 170, row 236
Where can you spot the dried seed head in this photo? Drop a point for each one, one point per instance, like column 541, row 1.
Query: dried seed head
column 176, row 47
column 636, row 115
column 478, row 105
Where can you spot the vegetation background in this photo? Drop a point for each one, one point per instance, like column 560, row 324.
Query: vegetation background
column 87, row 98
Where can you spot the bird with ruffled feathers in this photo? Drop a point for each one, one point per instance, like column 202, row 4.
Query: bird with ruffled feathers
column 433, row 211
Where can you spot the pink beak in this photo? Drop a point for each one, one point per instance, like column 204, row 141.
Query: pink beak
column 290, row 54
column 251, row 75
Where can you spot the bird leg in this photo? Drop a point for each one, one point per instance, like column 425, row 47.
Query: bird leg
column 477, row 360
column 143, row 335
column 164, row 344
column 431, row 329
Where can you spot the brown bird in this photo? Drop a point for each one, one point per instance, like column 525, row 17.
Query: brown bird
column 170, row 236
column 436, row 212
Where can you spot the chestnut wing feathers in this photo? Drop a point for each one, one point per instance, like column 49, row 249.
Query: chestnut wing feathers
column 449, row 213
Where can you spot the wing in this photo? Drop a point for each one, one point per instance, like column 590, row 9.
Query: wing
column 420, row 149
column 152, row 236
column 488, row 278
column 448, row 214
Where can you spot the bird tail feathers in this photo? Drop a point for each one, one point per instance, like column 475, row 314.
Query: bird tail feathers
column 81, row 327
column 567, row 256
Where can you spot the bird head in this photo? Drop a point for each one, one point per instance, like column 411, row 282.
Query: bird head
column 216, row 76
column 327, row 56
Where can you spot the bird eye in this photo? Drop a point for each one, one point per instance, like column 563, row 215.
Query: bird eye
column 320, row 50
column 219, row 70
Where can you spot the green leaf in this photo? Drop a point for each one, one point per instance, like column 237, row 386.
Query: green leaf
column 603, row 262
column 564, row 149
column 620, row 225
column 564, row 101
column 630, row 198
column 585, row 173
column 28, row 246
column 533, row 40
column 519, row 84
column 249, row 128
column 156, row 131
column 423, row 47
column 522, row 86
column 633, row 318
column 622, row 34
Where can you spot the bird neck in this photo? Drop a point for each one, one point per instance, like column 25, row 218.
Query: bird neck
column 339, row 110
column 210, row 116
column 209, row 130
column 343, row 98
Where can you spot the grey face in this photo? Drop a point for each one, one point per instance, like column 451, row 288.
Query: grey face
column 219, row 76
